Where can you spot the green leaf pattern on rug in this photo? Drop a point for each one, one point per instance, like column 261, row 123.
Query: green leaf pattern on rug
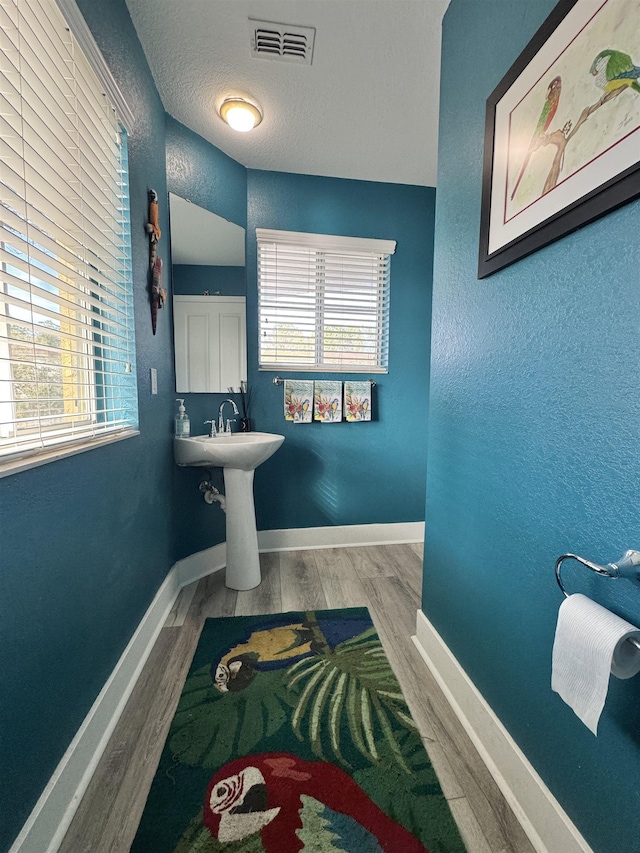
column 327, row 831
column 339, row 704
column 414, row 801
column 198, row 839
column 351, row 689
column 210, row 727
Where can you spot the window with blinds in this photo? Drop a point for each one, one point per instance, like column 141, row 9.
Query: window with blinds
column 323, row 302
column 66, row 312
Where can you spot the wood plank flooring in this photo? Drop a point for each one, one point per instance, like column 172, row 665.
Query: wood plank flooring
column 386, row 579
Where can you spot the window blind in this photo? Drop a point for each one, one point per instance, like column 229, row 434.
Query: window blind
column 66, row 312
column 323, row 302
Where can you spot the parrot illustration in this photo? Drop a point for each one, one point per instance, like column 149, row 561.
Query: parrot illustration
column 278, row 644
column 546, row 117
column 615, row 70
column 290, row 802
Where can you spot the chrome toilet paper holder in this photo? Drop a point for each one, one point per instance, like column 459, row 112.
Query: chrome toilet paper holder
column 628, row 566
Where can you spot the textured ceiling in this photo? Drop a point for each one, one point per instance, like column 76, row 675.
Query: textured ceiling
column 367, row 107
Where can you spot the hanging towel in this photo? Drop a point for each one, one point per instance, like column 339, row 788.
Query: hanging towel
column 298, row 401
column 357, row 401
column 328, row 401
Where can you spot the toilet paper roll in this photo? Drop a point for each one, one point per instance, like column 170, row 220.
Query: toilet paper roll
column 590, row 644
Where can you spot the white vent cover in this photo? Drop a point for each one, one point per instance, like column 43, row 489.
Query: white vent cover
column 282, row 42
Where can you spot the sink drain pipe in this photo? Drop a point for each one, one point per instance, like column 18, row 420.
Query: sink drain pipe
column 211, row 494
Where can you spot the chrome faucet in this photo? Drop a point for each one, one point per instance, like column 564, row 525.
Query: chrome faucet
column 221, row 424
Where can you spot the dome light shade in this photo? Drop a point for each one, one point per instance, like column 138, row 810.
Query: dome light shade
column 240, row 114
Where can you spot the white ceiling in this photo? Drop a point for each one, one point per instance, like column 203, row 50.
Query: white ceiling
column 367, row 107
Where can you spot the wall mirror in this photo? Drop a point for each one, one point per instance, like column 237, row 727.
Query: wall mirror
column 209, row 299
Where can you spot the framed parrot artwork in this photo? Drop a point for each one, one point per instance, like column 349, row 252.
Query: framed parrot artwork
column 562, row 131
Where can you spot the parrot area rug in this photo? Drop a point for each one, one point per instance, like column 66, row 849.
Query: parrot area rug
column 292, row 736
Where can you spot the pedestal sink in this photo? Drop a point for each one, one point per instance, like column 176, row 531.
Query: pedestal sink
column 238, row 454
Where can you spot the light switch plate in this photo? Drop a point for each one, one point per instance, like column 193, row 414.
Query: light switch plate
column 153, row 374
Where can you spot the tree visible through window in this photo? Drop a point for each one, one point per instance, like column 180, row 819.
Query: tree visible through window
column 66, row 318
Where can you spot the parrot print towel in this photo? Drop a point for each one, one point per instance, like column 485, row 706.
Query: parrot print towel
column 292, row 736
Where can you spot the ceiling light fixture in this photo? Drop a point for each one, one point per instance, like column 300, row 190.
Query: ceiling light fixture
column 240, row 114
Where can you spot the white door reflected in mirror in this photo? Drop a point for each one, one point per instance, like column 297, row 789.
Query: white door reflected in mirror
column 208, row 257
column 210, row 343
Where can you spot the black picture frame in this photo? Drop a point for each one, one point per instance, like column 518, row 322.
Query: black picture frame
column 610, row 195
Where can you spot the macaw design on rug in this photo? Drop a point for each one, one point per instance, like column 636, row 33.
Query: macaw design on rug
column 292, row 736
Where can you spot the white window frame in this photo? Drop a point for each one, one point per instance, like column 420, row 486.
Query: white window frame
column 87, row 301
column 310, row 281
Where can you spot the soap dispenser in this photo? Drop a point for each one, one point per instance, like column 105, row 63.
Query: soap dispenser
column 182, row 427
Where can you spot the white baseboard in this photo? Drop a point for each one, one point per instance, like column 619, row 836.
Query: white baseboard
column 201, row 564
column 547, row 825
column 344, row 536
column 47, row 824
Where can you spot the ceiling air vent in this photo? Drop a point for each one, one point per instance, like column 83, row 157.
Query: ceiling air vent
column 282, row 42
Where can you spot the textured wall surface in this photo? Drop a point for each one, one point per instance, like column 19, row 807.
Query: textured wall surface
column 201, row 173
column 198, row 171
column 331, row 474
column 86, row 541
column 349, row 474
column 192, row 280
column 533, row 444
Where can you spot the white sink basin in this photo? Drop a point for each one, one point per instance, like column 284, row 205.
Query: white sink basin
column 241, row 450
column 238, row 454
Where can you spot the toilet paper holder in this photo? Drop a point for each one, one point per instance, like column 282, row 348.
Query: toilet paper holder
column 628, row 566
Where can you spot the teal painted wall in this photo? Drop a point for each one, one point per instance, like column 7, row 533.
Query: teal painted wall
column 86, row 541
column 193, row 280
column 351, row 473
column 200, row 172
column 348, row 473
column 534, row 432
